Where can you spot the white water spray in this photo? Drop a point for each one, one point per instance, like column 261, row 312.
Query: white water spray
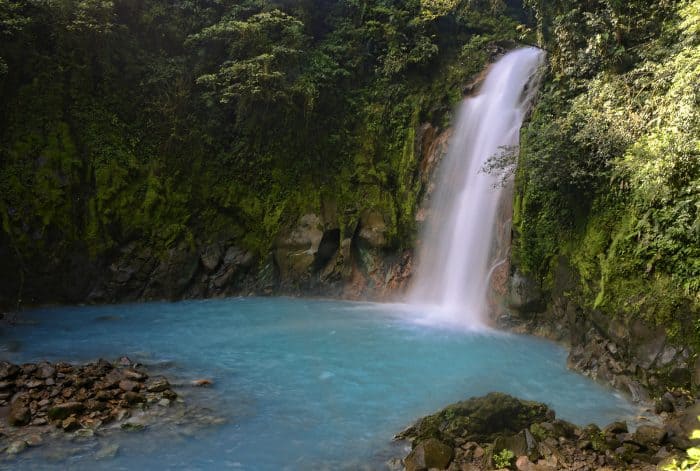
column 451, row 281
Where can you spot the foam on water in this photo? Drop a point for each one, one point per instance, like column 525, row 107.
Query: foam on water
column 302, row 384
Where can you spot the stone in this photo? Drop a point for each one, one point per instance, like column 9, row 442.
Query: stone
column 70, row 424
column 16, row 447
column 107, row 452
column 157, row 384
column 20, row 414
column 95, row 405
column 664, row 404
column 649, row 436
column 132, row 426
column 34, row 440
column 84, row 433
column 430, row 453
column 202, row 382
column 615, row 428
column 8, row 371
column 7, row 385
column 134, row 398
column 33, row 384
column 45, row 371
column 133, row 375
column 64, row 410
column 126, row 385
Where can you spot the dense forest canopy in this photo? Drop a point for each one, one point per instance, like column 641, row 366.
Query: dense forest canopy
column 171, row 122
column 610, row 164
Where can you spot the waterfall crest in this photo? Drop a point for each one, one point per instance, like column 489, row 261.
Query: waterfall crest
column 451, row 280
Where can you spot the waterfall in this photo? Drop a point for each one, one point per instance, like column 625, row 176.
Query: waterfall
column 454, row 258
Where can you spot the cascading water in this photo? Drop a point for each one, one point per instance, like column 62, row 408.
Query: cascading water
column 454, row 258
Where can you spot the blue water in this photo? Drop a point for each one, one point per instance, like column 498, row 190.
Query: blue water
column 302, row 384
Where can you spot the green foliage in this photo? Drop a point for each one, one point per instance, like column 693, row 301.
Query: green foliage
column 610, row 166
column 503, row 459
column 195, row 120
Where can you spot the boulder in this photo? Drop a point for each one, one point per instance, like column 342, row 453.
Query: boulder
column 649, row 436
column 126, row 385
column 157, row 384
column 63, row 411
column 70, row 424
column 45, row 371
column 20, row 414
column 479, row 419
column 615, row 428
column 429, row 454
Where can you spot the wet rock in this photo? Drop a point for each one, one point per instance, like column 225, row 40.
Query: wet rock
column 649, row 436
column 63, row 411
column 615, row 428
column 20, row 414
column 430, row 453
column 70, row 424
column 45, row 371
column 84, row 433
column 107, row 452
column 128, row 386
column 133, row 426
column 133, row 375
column 8, row 371
column 28, row 369
column 202, row 382
column 34, row 440
column 157, row 384
column 134, row 398
column 16, row 447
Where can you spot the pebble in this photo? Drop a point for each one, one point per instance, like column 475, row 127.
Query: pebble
column 16, row 447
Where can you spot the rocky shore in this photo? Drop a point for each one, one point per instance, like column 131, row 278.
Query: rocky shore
column 498, row 431
column 46, row 403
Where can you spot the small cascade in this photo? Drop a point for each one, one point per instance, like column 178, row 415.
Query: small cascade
column 454, row 259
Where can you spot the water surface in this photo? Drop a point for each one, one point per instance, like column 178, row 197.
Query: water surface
column 302, row 384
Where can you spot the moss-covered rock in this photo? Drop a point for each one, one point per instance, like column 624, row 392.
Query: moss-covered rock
column 479, row 419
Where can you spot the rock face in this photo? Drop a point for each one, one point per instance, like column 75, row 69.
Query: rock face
column 486, row 432
column 625, row 353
